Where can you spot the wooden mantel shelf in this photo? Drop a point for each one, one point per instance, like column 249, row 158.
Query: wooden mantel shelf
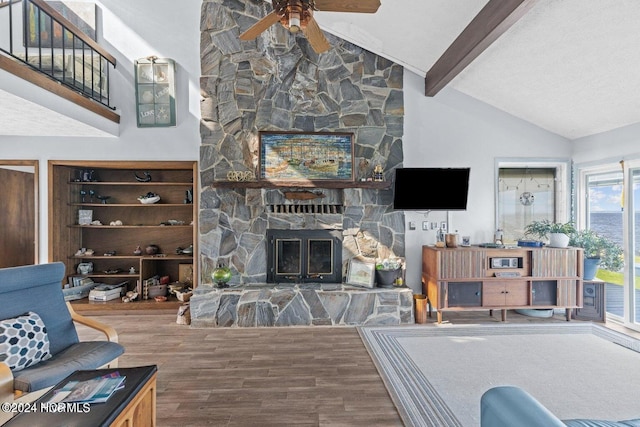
column 377, row 185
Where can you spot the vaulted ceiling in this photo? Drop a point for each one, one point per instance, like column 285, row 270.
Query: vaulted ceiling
column 569, row 66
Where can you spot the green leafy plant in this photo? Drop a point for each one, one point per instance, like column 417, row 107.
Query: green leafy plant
column 543, row 228
column 389, row 264
column 596, row 246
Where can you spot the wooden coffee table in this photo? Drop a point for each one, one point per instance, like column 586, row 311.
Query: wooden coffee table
column 134, row 405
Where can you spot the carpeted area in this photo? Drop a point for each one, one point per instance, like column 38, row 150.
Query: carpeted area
column 436, row 375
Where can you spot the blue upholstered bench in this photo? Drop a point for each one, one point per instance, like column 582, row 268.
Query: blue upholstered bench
column 509, row 406
column 33, row 308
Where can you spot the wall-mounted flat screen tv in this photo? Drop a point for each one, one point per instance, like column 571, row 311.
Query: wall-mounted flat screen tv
column 431, row 189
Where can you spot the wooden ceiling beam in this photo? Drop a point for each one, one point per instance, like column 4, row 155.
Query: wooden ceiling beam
column 495, row 18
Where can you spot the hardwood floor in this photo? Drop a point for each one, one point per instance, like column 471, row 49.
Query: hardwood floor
column 292, row 376
column 295, row 376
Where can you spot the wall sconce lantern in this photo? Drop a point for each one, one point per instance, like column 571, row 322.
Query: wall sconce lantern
column 155, row 92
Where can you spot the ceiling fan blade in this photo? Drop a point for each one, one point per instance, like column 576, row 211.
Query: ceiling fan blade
column 257, row 28
column 316, row 37
column 360, row 6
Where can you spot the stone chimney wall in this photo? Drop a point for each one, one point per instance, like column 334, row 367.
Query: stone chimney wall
column 277, row 82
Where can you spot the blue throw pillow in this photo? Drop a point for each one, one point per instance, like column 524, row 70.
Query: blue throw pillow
column 23, row 341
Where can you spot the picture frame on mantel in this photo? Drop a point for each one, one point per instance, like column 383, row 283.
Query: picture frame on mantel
column 304, row 156
column 361, row 272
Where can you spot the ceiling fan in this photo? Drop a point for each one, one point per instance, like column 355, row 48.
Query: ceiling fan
column 297, row 15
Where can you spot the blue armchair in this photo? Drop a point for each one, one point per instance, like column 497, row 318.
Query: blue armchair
column 32, row 296
column 509, row 406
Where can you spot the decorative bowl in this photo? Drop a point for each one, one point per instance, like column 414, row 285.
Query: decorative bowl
column 149, row 200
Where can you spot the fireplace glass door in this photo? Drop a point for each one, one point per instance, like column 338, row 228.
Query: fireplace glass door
column 298, row 256
column 288, row 257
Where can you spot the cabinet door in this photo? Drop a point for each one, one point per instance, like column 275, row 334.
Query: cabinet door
column 504, row 294
column 517, row 293
column 493, row 294
column 464, row 294
column 545, row 292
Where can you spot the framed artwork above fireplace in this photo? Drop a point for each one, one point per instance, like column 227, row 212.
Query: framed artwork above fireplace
column 298, row 156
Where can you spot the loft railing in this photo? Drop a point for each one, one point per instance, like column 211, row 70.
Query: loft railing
column 35, row 34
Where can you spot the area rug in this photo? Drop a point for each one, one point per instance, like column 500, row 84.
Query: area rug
column 437, row 374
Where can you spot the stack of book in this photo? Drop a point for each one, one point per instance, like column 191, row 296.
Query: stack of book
column 107, row 292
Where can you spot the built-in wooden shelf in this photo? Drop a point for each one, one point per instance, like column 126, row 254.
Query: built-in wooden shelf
column 376, row 185
column 132, row 183
column 143, row 224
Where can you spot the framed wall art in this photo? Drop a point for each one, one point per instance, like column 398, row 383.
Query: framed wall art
column 44, row 31
column 155, row 92
column 361, row 273
column 295, row 156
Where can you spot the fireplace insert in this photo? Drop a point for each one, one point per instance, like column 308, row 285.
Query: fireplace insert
column 304, row 256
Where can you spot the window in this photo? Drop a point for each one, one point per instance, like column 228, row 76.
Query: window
column 608, row 204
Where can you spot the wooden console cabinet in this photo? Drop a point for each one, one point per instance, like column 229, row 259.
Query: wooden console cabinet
column 475, row 278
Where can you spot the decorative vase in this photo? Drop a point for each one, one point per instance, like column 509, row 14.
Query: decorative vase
column 221, row 276
column 386, row 278
column 558, row 240
column 590, row 268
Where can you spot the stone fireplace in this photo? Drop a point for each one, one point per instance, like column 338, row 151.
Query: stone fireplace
column 277, row 82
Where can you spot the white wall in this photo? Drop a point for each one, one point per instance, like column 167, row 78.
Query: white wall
column 615, row 145
column 130, row 30
column 455, row 130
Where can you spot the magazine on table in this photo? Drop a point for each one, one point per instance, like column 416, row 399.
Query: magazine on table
column 95, row 390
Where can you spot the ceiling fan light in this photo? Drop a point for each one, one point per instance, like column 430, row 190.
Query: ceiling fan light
column 294, row 22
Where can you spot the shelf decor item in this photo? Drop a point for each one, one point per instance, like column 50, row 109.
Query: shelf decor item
column 221, row 276
column 298, row 156
column 361, row 273
column 155, row 92
column 149, row 198
column 85, row 216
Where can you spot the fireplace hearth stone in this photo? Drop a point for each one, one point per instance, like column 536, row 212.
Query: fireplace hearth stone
column 309, row 304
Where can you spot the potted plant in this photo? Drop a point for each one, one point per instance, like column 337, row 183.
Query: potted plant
column 387, row 272
column 557, row 233
column 599, row 251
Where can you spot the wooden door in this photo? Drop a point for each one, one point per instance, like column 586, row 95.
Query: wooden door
column 18, row 232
